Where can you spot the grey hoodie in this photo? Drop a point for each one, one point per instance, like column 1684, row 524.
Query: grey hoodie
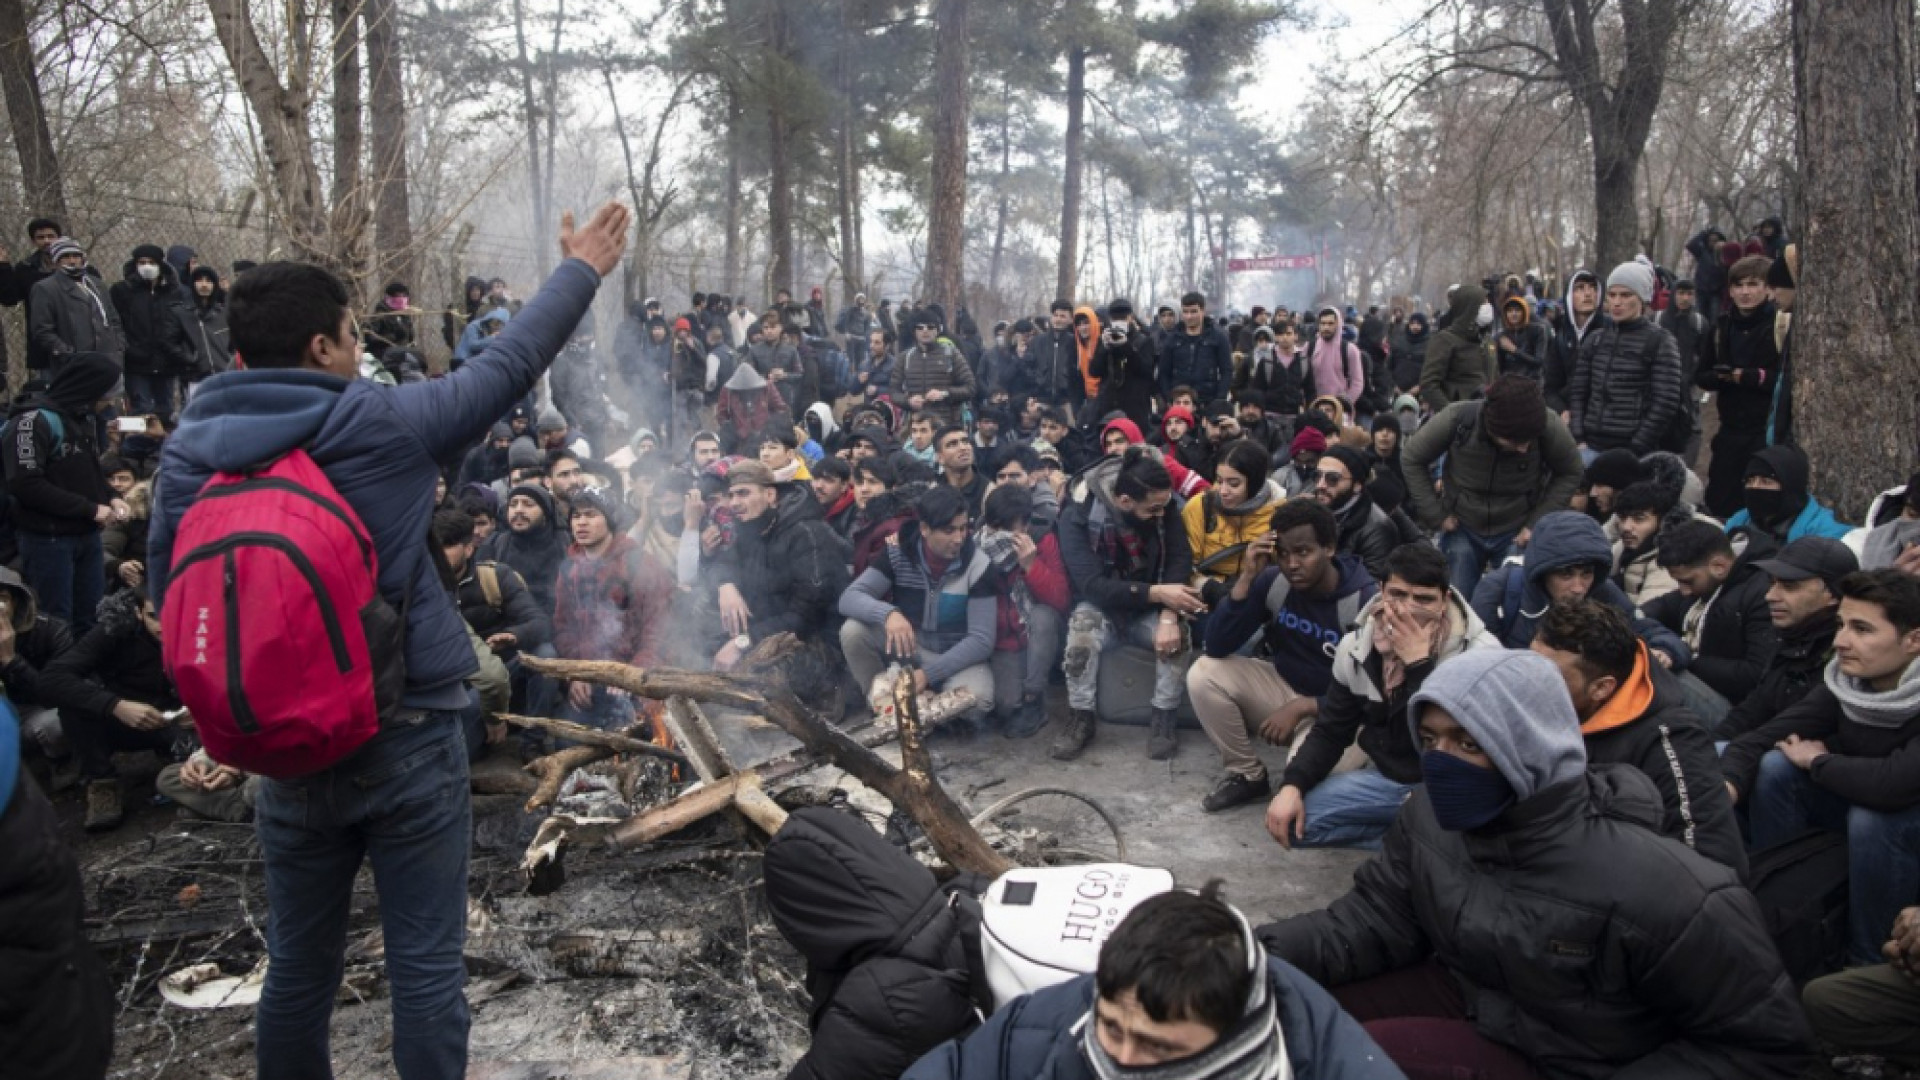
column 1515, row 705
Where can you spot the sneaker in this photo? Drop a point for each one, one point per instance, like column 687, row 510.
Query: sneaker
column 1233, row 790
column 104, row 809
column 1074, row 735
column 1163, row 737
column 1027, row 719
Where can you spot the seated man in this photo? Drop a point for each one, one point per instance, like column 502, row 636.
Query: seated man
column 1416, row 623
column 1631, row 713
column 784, row 571
column 114, row 695
column 1779, row 502
column 1719, row 605
column 1294, row 587
column 1803, row 604
column 29, row 641
column 1846, row 758
column 1182, row 991
column 1125, row 547
column 1874, row 1010
column 929, row 599
column 1524, row 919
column 1366, row 531
column 532, row 541
column 1568, row 560
column 612, row 602
column 207, row 789
column 1643, row 513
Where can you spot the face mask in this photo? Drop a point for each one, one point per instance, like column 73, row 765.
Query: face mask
column 148, row 272
column 1464, row 795
column 1485, row 317
column 1766, row 504
column 75, row 272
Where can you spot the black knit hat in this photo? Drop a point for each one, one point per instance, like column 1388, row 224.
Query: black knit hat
column 1356, row 462
column 150, row 251
column 1615, row 469
column 1515, row 409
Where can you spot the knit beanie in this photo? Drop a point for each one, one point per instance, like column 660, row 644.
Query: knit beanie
column 1636, row 275
column 1356, row 462
column 63, row 247
column 599, row 498
column 1309, row 441
column 150, row 251
column 501, row 430
column 1515, row 409
column 550, row 420
column 1615, row 469
column 523, row 454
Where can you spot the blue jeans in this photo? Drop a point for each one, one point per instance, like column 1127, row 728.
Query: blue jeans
column 402, row 802
column 150, row 394
column 1468, row 554
column 1883, row 849
column 1353, row 809
column 67, row 575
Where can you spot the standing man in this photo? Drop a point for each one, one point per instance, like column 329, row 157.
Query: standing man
column 933, row 377
column 1625, row 390
column 1196, row 353
column 61, row 499
column 156, row 342
column 1054, row 358
column 1583, row 318
column 1507, row 462
column 1457, row 367
column 402, row 800
column 69, row 312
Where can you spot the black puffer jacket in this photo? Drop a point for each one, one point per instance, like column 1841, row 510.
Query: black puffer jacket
column 791, row 567
column 1531, row 918
column 1127, row 374
column 1625, row 387
column 887, row 949
column 56, row 1005
column 1797, row 668
column 150, row 322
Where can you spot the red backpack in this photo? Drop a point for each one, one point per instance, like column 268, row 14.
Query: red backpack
column 274, row 630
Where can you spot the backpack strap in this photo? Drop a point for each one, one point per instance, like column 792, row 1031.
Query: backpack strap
column 1464, row 428
column 57, row 425
column 489, row 576
column 1347, row 610
column 1510, row 601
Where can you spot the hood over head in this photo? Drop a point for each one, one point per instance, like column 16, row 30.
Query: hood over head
column 1464, row 305
column 1131, row 429
column 25, row 611
column 822, row 413
column 1518, row 302
column 1515, row 705
column 745, row 379
column 1566, row 538
column 877, row 435
column 178, row 256
column 841, row 891
column 82, row 382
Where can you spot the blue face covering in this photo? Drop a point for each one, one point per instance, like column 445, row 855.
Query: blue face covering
column 1464, row 795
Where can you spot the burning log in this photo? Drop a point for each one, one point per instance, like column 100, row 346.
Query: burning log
column 554, row 769
column 589, row 736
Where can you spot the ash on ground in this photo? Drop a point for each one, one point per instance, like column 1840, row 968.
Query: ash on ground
column 667, row 952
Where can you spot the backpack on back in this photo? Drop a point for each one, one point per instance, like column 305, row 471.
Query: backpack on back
column 274, row 629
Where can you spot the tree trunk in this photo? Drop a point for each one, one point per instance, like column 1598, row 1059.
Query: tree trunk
column 349, row 146
column 532, row 110
column 779, row 159
column 387, row 112
column 848, row 168
column 1070, row 189
column 45, row 190
column 1003, row 207
column 730, row 272
column 637, row 262
column 946, row 219
column 547, row 215
column 1854, row 378
column 1616, row 223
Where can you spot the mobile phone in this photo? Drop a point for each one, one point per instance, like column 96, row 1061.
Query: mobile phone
column 130, row 424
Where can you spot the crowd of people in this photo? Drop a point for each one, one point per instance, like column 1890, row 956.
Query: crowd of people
column 1454, row 576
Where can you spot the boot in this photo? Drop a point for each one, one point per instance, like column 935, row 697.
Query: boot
column 1163, row 737
column 1027, row 719
column 1234, row 791
column 104, row 806
column 1074, row 735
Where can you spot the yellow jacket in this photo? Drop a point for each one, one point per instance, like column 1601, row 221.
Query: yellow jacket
column 1228, row 528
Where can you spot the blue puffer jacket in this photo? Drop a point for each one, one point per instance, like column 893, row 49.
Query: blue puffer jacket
column 1037, row 1038
column 1561, row 539
column 383, row 448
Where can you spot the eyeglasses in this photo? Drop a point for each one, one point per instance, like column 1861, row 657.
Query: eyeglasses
column 1330, row 477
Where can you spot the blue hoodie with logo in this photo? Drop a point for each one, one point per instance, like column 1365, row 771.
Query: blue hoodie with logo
column 1301, row 631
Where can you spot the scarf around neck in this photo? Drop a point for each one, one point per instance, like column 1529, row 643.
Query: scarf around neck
column 1253, row 1049
column 1869, row 708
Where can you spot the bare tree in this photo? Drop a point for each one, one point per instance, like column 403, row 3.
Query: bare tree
column 1853, row 378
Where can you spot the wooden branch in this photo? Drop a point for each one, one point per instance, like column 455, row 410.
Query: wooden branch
column 588, row 736
column 709, row 799
column 658, row 683
column 554, row 769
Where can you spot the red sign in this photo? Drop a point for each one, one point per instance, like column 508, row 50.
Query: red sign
column 1272, row 262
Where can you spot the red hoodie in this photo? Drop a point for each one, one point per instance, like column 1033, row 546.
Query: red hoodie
column 1186, row 482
